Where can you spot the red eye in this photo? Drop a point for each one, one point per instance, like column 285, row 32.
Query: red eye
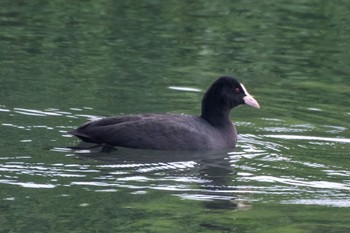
column 237, row 90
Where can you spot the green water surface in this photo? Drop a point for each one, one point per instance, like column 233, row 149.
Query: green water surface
column 63, row 63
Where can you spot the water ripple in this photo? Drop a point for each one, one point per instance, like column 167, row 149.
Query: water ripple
column 322, row 202
column 190, row 89
column 33, row 112
column 304, row 183
column 27, row 184
column 309, row 138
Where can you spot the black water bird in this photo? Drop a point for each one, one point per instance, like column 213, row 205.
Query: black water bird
column 212, row 130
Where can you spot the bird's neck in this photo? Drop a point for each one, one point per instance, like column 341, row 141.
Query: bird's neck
column 216, row 114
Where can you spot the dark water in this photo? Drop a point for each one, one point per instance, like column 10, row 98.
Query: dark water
column 65, row 63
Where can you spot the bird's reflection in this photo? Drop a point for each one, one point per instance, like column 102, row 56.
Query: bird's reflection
column 212, row 167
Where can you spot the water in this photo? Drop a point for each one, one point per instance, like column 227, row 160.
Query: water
column 62, row 65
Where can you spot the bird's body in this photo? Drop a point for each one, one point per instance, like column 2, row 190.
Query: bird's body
column 158, row 132
column 212, row 130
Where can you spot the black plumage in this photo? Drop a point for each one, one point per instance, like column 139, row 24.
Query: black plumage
column 212, row 130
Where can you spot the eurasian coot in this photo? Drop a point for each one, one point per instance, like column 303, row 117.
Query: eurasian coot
column 212, row 130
